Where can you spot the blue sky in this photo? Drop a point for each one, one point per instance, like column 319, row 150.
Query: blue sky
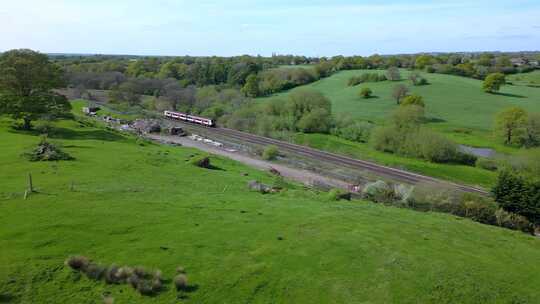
column 235, row 27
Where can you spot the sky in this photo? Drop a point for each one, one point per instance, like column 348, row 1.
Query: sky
column 299, row 27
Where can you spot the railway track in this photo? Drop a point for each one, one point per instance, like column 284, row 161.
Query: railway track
column 393, row 173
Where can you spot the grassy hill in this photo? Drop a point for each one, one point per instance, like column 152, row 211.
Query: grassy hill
column 457, row 102
column 146, row 205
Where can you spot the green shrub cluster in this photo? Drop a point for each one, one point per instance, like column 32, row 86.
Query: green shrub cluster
column 304, row 110
column 440, row 198
column 47, row 151
column 145, row 282
column 270, row 152
column 366, row 77
column 487, row 163
column 519, row 193
column 405, row 136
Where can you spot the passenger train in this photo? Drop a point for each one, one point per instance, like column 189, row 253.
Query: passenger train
column 189, row 118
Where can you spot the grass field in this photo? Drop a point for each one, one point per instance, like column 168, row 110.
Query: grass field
column 455, row 102
column 78, row 104
column 526, row 79
column 145, row 205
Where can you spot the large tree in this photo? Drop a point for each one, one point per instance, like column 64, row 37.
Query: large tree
column 27, row 80
column 493, row 82
column 510, row 123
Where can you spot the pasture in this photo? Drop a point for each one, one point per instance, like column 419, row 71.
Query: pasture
column 136, row 203
column 451, row 101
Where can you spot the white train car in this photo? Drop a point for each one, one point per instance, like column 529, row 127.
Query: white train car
column 189, row 118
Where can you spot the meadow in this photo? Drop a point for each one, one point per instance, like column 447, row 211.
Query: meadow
column 451, row 101
column 131, row 203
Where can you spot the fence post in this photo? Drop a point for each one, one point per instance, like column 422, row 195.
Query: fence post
column 30, row 185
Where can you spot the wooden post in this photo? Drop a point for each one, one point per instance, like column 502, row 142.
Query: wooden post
column 30, row 185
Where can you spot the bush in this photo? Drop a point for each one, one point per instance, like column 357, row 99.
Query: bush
column 479, row 209
column 95, row 271
column 112, row 275
column 365, row 93
column 487, row 163
column 181, row 282
column 145, row 287
column 270, row 152
column 513, row 221
column 46, row 151
column 379, row 192
column 338, row 194
column 416, row 100
column 201, row 161
column 78, row 263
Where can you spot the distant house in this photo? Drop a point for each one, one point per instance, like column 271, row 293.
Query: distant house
column 518, row 61
column 534, row 63
column 90, row 110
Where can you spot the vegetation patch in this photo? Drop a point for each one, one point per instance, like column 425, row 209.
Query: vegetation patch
column 47, row 151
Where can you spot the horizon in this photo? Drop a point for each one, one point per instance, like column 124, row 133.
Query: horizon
column 240, row 27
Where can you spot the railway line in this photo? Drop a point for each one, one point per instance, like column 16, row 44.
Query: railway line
column 393, row 173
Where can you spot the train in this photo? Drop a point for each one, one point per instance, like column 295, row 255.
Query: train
column 189, row 118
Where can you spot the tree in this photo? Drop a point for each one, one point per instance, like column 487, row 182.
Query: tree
column 510, row 123
column 422, row 61
column 251, row 88
column 532, row 130
column 393, row 74
column 26, row 82
column 365, row 93
column 416, row 100
column 399, row 92
column 493, row 82
column 518, row 194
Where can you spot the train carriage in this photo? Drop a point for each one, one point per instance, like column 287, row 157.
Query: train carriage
column 189, row 118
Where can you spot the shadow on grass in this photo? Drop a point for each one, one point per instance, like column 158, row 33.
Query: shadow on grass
column 6, row 298
column 509, row 95
column 65, row 133
column 434, row 120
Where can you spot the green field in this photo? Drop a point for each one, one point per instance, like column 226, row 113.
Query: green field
column 526, row 79
column 146, row 205
column 453, row 101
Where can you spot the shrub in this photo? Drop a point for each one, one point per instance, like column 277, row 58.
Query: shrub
column 140, row 272
column 133, row 280
column 513, row 221
column 46, row 151
column 477, row 208
column 201, row 161
column 156, row 285
column 487, row 163
column 350, row 129
column 365, row 93
column 95, row 271
column 181, row 282
column 434, row 197
column 270, row 152
column 124, row 273
column 416, row 100
column 338, row 194
column 78, row 263
column 145, row 287
column 112, row 275
column 379, row 192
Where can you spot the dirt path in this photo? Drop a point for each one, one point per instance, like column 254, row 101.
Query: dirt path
column 303, row 176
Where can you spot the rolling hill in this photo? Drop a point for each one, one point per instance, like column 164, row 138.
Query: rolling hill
column 132, row 203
